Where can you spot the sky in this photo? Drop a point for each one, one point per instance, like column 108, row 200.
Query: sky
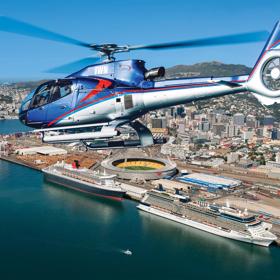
column 131, row 22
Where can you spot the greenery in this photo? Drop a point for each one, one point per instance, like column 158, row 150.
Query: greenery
column 139, row 168
column 213, row 68
column 276, row 110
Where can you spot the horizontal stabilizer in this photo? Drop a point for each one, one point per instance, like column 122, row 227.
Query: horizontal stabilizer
column 229, row 84
column 225, row 83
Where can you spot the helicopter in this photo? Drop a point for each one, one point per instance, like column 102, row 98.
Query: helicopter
column 103, row 94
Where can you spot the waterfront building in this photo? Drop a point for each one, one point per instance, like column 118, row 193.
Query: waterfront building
column 206, row 180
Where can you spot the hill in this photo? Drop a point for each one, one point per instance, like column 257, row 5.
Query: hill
column 214, row 68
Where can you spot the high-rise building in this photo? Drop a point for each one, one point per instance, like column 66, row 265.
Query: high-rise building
column 204, row 126
column 238, row 119
column 211, row 118
column 218, row 129
column 268, row 120
column 251, row 121
column 275, row 133
column 260, row 132
column 181, row 111
column 182, row 126
column 171, row 111
column 231, row 130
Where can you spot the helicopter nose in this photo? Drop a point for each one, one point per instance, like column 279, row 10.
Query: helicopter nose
column 22, row 117
column 24, row 108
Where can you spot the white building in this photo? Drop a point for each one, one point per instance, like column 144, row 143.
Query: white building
column 42, row 150
column 232, row 157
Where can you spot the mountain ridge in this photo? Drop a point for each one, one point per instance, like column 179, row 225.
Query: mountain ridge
column 202, row 69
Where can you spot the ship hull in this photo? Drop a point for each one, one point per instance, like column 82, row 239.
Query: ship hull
column 210, row 229
column 84, row 187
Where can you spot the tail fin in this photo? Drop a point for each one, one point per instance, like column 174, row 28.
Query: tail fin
column 264, row 80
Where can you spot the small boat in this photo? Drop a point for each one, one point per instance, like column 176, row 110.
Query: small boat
column 127, row 252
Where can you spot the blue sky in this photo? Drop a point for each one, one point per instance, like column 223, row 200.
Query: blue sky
column 131, row 22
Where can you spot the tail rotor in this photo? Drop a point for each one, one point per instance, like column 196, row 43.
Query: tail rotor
column 264, row 80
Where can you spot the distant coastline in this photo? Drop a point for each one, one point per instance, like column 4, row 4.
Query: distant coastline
column 8, row 118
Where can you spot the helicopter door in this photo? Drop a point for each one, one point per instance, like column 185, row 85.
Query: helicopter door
column 60, row 101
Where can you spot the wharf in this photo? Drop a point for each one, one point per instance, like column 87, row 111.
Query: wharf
column 132, row 192
column 19, row 162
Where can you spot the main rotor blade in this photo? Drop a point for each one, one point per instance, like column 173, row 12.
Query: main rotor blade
column 240, row 38
column 15, row 26
column 75, row 65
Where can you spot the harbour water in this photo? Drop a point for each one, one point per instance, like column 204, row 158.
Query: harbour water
column 48, row 232
column 12, row 126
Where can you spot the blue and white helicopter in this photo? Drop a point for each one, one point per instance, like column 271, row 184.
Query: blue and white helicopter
column 94, row 102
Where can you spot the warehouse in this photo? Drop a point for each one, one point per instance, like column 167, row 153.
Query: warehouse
column 42, row 150
column 210, row 181
column 172, row 185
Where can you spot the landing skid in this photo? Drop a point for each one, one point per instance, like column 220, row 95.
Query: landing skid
column 118, row 144
column 144, row 134
column 101, row 136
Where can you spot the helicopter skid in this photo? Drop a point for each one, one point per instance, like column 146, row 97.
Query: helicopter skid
column 54, row 137
column 144, row 134
column 118, row 144
column 102, row 139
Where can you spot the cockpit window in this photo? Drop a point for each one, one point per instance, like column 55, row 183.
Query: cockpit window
column 60, row 90
column 42, row 96
column 51, row 92
column 25, row 106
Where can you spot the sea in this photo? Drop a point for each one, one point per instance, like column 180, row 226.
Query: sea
column 48, row 232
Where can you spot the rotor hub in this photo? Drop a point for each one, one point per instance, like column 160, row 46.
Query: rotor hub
column 109, row 49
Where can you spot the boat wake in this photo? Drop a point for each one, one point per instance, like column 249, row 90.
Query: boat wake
column 126, row 252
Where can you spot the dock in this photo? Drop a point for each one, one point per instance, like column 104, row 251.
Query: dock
column 19, row 162
column 133, row 192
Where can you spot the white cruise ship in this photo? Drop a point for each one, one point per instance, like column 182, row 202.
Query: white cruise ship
column 223, row 221
column 84, row 180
